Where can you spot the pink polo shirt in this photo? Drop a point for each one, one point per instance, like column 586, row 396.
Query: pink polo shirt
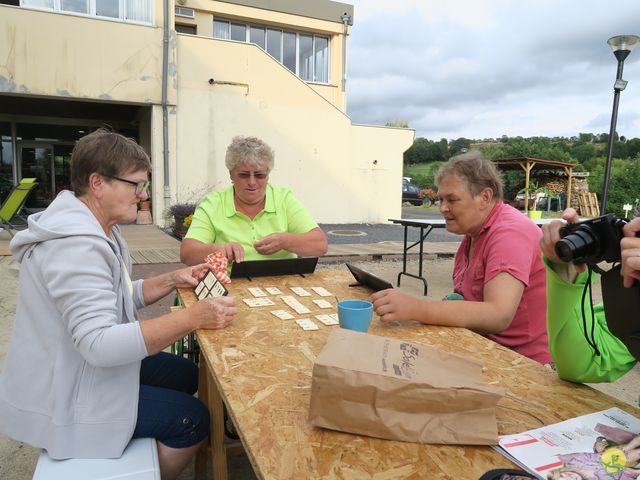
column 508, row 242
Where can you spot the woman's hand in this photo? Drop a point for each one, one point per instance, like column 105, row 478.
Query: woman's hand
column 188, row 277
column 393, row 306
column 550, row 236
column 271, row 243
column 233, row 251
column 630, row 253
column 213, row 313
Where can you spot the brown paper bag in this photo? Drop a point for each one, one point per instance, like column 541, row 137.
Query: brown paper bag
column 388, row 388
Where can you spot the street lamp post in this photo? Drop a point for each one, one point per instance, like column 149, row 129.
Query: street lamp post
column 621, row 46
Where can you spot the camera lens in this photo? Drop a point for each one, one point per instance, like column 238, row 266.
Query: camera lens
column 577, row 245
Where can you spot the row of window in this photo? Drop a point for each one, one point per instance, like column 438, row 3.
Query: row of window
column 305, row 54
column 130, row 10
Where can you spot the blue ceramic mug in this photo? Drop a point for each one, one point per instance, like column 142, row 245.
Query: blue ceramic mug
column 355, row 314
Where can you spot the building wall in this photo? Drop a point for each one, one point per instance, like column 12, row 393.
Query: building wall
column 207, row 10
column 342, row 172
column 59, row 55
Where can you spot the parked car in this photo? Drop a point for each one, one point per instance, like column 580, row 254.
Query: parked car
column 411, row 193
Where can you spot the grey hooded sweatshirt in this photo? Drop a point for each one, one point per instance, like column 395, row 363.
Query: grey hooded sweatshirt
column 71, row 376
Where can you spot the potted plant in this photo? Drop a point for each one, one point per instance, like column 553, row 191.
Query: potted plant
column 535, row 191
column 181, row 214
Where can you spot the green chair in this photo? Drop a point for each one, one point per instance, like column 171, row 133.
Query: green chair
column 14, row 202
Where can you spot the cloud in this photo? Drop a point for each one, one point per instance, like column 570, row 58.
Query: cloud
column 486, row 68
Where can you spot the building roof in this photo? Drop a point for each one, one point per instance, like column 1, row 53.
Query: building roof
column 320, row 9
column 515, row 163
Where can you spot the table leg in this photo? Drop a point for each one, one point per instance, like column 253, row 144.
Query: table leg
column 218, row 452
column 211, row 397
column 405, row 251
column 201, row 456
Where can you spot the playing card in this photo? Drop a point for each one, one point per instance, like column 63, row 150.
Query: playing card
column 307, row 324
column 210, row 286
column 323, row 303
column 327, row 320
column 323, row 292
column 274, row 291
column 257, row 292
column 258, row 302
column 295, row 304
column 301, row 292
column 282, row 314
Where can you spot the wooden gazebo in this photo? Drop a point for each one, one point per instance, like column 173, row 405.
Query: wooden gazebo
column 529, row 163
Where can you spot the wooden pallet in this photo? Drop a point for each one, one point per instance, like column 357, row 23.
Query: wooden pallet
column 588, row 204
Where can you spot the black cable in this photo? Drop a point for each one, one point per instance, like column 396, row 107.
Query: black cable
column 591, row 341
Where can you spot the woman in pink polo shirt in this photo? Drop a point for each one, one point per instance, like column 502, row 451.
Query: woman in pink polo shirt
column 498, row 269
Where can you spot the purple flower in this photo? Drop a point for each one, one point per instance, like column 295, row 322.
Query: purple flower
column 182, row 209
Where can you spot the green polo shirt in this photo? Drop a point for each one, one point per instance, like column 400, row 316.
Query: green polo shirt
column 217, row 221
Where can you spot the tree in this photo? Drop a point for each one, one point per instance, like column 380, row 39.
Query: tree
column 458, row 146
column 426, row 151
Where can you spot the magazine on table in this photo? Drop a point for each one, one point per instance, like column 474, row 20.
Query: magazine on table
column 598, row 446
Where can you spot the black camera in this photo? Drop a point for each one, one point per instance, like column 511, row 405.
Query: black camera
column 591, row 241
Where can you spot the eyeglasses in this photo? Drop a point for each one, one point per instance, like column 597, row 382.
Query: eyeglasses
column 140, row 186
column 256, row 175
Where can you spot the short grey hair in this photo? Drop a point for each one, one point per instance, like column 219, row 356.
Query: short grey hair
column 249, row 150
column 477, row 172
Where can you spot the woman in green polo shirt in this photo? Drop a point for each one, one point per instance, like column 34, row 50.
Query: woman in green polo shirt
column 251, row 219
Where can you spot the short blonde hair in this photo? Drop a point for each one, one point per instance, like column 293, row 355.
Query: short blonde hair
column 249, row 150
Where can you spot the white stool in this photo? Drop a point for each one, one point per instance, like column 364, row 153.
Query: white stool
column 139, row 461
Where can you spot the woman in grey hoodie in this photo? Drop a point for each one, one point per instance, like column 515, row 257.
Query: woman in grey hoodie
column 82, row 375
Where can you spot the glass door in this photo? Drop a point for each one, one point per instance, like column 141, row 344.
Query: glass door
column 36, row 161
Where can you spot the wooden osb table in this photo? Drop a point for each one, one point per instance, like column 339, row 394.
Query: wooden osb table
column 261, row 367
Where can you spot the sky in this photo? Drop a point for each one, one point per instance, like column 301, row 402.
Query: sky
column 487, row 68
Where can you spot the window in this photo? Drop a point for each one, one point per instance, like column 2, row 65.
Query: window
column 305, row 57
column 132, row 10
column 239, row 32
column 305, row 54
column 220, row 29
column 274, row 43
column 256, row 36
column 185, row 12
column 78, row 6
column 190, row 29
column 321, row 54
column 289, row 50
column 108, row 8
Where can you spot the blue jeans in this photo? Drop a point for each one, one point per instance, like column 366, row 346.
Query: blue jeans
column 167, row 409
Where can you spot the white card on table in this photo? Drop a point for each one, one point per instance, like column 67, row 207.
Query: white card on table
column 257, row 292
column 282, row 314
column 274, row 291
column 327, row 319
column 307, row 324
column 295, row 304
column 323, row 303
column 334, row 316
column 323, row 292
column 301, row 292
column 258, row 302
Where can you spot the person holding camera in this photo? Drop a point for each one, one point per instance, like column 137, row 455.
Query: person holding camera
column 575, row 360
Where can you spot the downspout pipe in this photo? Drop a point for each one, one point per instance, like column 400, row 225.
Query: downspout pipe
column 346, row 18
column 165, row 114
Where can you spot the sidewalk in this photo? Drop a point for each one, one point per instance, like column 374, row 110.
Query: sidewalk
column 149, row 244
